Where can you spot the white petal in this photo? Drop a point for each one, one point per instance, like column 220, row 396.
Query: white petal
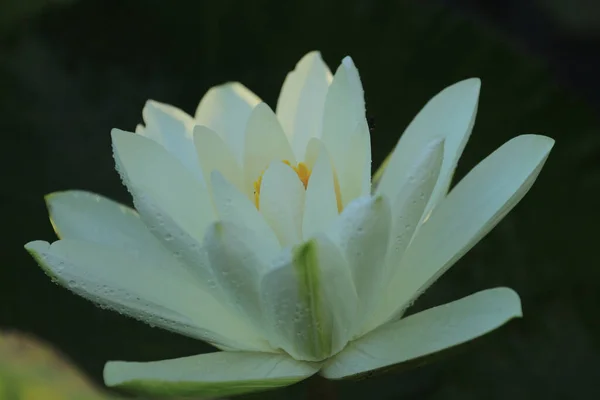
column 174, row 206
column 362, row 232
column 89, row 217
column 302, row 99
column 313, row 150
column 470, row 211
column 339, row 291
column 320, row 205
column 238, row 257
column 282, row 202
column 212, row 375
column 354, row 170
column 309, row 298
column 451, row 114
column 233, row 206
column 213, row 154
column 172, row 128
column 147, row 169
column 426, row 333
column 144, row 290
column 409, row 205
column 265, row 143
column 225, row 109
column 407, row 212
column 346, row 132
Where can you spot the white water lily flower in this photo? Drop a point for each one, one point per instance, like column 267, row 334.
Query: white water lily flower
column 260, row 233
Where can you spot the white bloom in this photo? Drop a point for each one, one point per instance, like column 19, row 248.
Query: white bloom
column 260, row 233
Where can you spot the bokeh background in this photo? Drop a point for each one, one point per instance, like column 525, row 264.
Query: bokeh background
column 71, row 70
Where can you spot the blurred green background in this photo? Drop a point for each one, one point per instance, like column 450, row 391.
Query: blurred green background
column 72, row 70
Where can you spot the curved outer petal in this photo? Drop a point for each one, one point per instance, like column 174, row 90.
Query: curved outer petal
column 471, row 210
column 88, row 217
column 426, row 333
column 362, row 233
column 309, row 298
column 214, row 154
column 226, row 109
column 238, row 258
column 147, row 291
column 320, row 202
column 214, row 374
column 450, row 113
column 346, row 132
column 282, row 202
column 301, row 101
column 265, row 143
column 172, row 128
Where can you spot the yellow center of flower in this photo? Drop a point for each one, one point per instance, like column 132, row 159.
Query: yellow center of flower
column 303, row 173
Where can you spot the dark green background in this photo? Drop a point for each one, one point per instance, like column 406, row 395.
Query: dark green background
column 72, row 70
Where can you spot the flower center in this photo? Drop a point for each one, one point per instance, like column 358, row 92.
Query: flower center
column 301, row 170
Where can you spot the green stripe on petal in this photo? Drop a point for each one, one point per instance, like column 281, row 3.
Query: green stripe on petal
column 306, row 267
column 294, row 302
column 214, row 374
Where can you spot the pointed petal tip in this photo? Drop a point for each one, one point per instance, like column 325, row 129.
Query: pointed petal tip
column 512, row 301
column 436, row 142
column 53, row 197
column 545, row 141
column 347, row 62
column 110, row 373
column 313, row 54
column 117, row 133
column 36, row 246
column 468, row 86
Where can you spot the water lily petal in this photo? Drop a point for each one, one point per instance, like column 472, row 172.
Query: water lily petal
column 346, row 132
column 282, row 202
column 172, row 128
column 320, row 204
column 450, row 113
column 214, row 374
column 426, row 333
column 89, row 217
column 226, row 109
column 471, row 210
column 140, row 288
column 232, row 205
column 265, row 142
column 409, row 205
column 175, row 207
column 309, row 298
column 407, row 212
column 362, row 233
column 238, row 258
column 214, row 154
column 301, row 101
column 148, row 170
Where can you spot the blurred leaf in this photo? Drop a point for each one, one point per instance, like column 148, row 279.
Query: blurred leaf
column 30, row 370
